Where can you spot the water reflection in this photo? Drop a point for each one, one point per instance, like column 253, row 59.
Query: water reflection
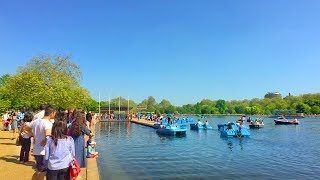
column 112, row 128
column 168, row 137
column 233, row 142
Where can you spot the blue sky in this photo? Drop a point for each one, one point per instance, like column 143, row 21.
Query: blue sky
column 180, row 50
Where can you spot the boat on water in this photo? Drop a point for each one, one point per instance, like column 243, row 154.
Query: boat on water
column 256, row 124
column 158, row 124
column 222, row 126
column 284, row 121
column 171, row 129
column 234, row 130
column 199, row 125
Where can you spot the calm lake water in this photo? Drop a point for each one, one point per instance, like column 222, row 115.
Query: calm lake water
column 131, row 151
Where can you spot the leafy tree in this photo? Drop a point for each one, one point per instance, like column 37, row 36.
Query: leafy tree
column 240, row 109
column 171, row 109
column 221, row 106
column 47, row 80
column 4, row 105
column 206, row 109
column 3, row 79
column 151, row 104
column 247, row 110
column 256, row 110
column 164, row 106
column 303, row 108
column 315, row 110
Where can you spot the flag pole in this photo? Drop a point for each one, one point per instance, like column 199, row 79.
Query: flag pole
column 99, row 107
column 109, row 108
column 119, row 107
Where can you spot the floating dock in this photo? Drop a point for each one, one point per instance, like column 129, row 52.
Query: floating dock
column 114, row 120
column 142, row 122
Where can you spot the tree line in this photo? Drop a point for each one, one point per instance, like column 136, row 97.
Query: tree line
column 55, row 80
column 307, row 104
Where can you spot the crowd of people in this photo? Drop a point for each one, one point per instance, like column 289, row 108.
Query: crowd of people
column 56, row 138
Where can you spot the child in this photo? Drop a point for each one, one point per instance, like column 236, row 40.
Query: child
column 25, row 138
column 91, row 153
column 59, row 152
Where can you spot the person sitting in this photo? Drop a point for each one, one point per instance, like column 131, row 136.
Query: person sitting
column 91, row 153
column 199, row 122
column 229, row 126
column 161, row 125
column 241, row 125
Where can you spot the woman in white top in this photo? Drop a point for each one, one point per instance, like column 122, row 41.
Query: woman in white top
column 24, row 138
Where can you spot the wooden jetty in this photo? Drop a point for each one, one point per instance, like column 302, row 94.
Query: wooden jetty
column 114, row 120
column 142, row 122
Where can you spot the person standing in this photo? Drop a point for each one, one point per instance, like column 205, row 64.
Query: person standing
column 41, row 129
column 25, row 138
column 16, row 124
column 78, row 130
column 40, row 114
column 5, row 118
column 59, row 152
column 89, row 117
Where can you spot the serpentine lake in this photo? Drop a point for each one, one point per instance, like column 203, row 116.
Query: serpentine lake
column 131, row 151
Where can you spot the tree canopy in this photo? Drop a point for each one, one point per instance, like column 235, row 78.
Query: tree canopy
column 46, row 80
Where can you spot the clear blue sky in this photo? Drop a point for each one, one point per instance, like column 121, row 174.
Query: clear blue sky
column 181, row 50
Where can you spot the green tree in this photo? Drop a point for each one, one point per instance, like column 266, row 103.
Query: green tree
column 303, row 108
column 3, row 79
column 47, row 80
column 151, row 104
column 247, row 110
column 221, row 106
column 256, row 110
column 164, row 106
column 206, row 109
column 315, row 110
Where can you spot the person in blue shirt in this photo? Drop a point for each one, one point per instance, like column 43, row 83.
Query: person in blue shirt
column 16, row 124
column 91, row 152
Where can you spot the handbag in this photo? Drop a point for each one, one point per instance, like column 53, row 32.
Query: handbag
column 74, row 169
column 18, row 142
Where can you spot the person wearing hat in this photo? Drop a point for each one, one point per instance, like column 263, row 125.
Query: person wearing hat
column 91, row 152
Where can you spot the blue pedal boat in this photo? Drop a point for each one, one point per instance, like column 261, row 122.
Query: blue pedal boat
column 172, row 130
column 157, row 124
column 222, row 126
column 234, row 130
column 197, row 126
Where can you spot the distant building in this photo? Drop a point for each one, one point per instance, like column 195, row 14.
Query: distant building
column 272, row 95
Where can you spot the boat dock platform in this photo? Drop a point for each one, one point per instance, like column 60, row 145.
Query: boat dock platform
column 114, row 120
column 142, row 122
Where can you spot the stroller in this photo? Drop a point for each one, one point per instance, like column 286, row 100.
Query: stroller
column 6, row 124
